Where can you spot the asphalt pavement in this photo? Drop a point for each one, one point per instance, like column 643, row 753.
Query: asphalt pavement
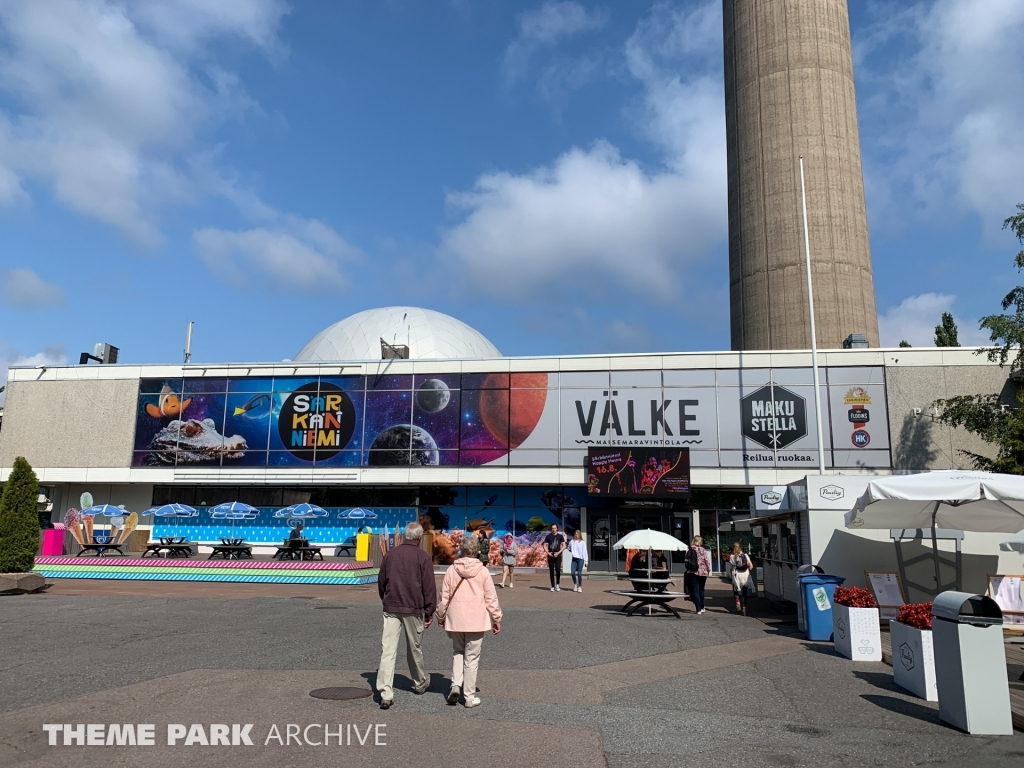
column 568, row 681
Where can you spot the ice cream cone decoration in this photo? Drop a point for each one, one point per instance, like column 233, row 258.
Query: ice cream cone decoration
column 87, row 520
column 129, row 526
column 73, row 521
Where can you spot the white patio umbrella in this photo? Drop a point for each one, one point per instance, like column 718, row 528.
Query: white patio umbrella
column 650, row 540
column 960, row 500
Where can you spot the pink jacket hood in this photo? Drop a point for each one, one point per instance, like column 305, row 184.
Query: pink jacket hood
column 474, row 605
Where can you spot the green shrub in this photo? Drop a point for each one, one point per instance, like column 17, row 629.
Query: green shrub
column 19, row 521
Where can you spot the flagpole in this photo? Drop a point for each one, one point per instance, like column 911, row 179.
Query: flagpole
column 814, row 340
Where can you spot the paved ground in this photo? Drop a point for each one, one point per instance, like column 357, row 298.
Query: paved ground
column 568, row 681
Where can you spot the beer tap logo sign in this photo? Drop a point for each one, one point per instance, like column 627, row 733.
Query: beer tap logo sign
column 316, row 418
column 774, row 417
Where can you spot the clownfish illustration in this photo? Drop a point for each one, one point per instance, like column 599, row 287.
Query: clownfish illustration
column 169, row 405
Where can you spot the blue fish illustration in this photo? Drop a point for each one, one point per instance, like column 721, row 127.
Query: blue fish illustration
column 257, row 407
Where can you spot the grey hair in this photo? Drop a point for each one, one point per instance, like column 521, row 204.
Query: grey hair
column 470, row 546
column 414, row 531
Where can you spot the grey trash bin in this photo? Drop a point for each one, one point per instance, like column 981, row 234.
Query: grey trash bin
column 970, row 664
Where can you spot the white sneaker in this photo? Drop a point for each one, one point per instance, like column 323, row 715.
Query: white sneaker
column 579, row 589
column 510, row 586
column 552, row 589
column 558, row 589
column 472, row 701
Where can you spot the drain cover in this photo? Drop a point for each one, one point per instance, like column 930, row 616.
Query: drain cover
column 341, row 694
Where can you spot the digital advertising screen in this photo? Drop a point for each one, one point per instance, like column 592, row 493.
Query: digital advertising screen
column 639, row 472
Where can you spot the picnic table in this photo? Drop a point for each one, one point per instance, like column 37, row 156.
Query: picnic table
column 99, row 550
column 231, row 551
column 173, row 545
column 654, row 583
column 298, row 553
column 650, row 600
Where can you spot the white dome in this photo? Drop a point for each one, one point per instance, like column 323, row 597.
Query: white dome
column 428, row 334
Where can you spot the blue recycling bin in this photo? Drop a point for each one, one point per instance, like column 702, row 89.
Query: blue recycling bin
column 815, row 606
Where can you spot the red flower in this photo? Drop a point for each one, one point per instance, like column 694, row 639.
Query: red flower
column 917, row 615
column 854, row 597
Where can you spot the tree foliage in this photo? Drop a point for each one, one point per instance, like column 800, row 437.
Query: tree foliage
column 994, row 422
column 1006, row 331
column 987, row 416
column 946, row 334
column 904, row 343
column 19, row 521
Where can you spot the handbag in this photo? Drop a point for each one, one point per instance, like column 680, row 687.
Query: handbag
column 440, row 614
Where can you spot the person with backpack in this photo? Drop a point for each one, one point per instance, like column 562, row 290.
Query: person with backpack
column 698, row 566
column 741, row 565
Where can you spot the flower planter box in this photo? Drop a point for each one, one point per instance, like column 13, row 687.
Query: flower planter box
column 913, row 660
column 856, row 632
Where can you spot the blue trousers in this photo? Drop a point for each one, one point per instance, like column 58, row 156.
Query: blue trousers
column 577, row 571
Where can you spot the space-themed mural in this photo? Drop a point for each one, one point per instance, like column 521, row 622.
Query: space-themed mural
column 392, row 420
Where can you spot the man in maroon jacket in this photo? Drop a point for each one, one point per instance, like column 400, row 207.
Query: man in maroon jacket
column 407, row 589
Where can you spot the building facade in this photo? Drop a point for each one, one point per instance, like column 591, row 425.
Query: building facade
column 499, row 443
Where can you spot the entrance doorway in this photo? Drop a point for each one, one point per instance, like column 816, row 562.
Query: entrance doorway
column 625, row 522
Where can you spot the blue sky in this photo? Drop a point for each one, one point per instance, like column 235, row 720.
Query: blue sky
column 551, row 173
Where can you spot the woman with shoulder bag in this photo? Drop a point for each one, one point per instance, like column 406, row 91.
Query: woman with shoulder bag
column 698, row 566
column 509, row 550
column 740, row 563
column 467, row 608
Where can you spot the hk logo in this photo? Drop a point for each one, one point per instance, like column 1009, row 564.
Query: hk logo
column 771, row 497
column 907, row 656
column 832, row 492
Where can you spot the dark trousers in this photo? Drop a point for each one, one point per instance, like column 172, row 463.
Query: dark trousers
column 555, row 570
column 697, row 590
column 741, row 596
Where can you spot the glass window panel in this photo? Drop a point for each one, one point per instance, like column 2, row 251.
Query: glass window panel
column 338, row 459
column 251, row 384
column 437, row 412
column 249, row 415
column 248, row 459
column 450, row 380
column 490, row 496
column 348, row 383
column 484, row 419
column 398, row 497
column 203, row 384
column 485, row 381
column 478, row 457
column 385, row 416
column 286, row 459
column 291, row 383
column 388, row 381
column 531, row 380
column 155, row 386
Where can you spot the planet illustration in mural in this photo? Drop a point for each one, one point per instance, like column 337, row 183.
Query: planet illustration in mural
column 433, row 395
column 511, row 415
column 391, row 448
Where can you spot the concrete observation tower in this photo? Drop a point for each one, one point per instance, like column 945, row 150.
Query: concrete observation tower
column 789, row 91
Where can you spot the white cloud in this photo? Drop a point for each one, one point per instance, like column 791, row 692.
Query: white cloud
column 594, row 215
column 51, row 356
column 915, row 318
column 545, row 27
column 24, row 288
column 943, row 122
column 107, row 99
column 308, row 257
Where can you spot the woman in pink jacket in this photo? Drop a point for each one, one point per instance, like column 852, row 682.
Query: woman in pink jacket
column 468, row 607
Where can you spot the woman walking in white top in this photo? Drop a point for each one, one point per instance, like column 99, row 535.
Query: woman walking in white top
column 578, row 549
